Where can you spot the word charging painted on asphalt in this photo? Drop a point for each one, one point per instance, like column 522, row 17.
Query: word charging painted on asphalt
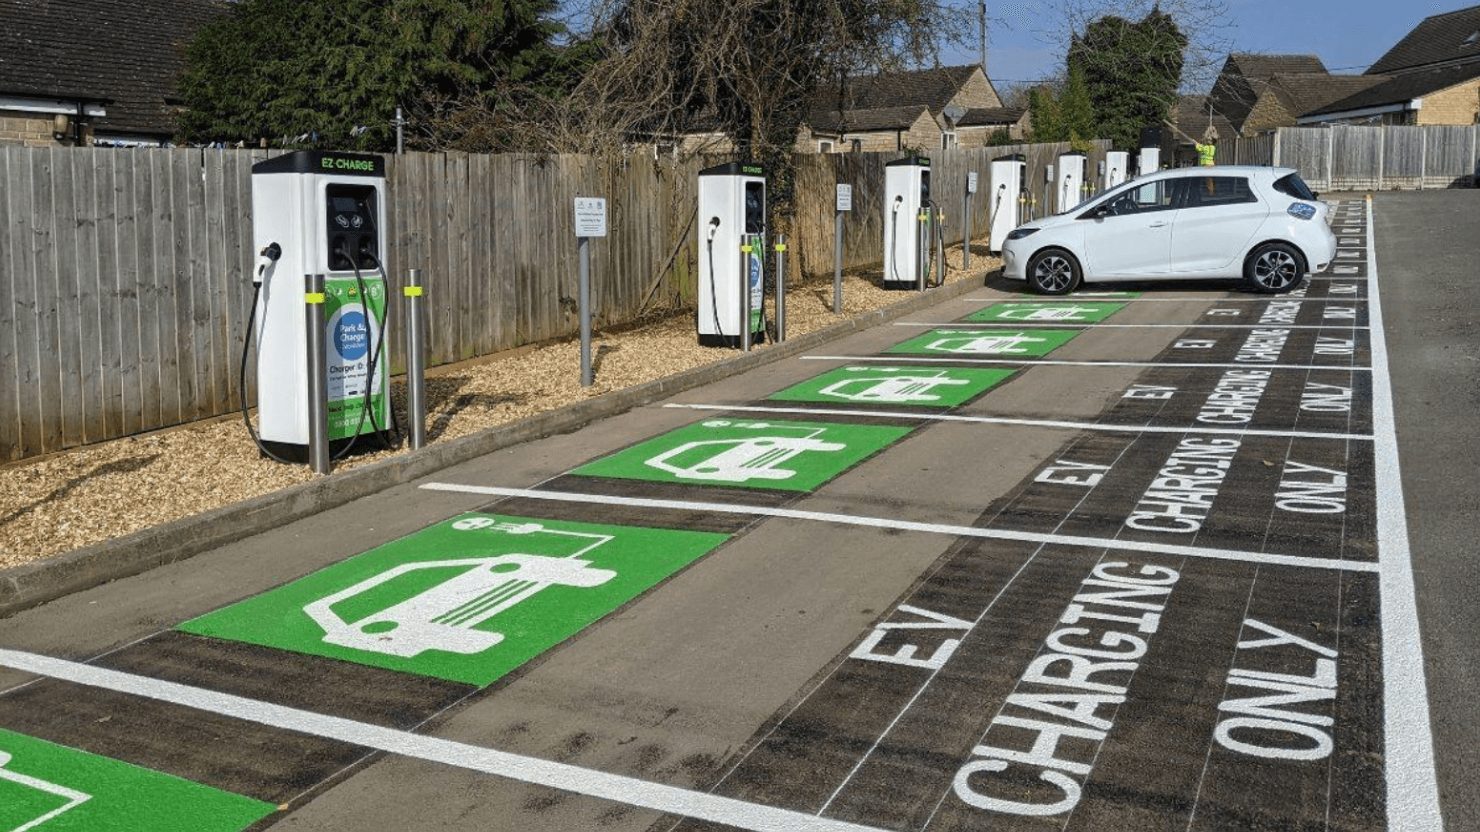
column 45, row 786
column 784, row 455
column 467, row 600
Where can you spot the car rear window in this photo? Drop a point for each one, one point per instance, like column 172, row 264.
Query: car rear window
column 1293, row 185
column 1208, row 191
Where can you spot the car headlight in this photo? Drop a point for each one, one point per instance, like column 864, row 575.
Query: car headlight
column 1019, row 233
column 1301, row 211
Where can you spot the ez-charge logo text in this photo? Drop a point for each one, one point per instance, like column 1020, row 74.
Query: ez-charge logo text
column 341, row 163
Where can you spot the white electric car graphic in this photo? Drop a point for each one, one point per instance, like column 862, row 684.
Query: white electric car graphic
column 446, row 616
column 742, row 460
column 968, row 343
column 895, row 389
column 73, row 797
column 1047, row 313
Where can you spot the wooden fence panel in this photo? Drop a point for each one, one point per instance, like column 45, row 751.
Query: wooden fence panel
column 1403, row 151
column 1450, row 156
column 11, row 300
column 1307, row 150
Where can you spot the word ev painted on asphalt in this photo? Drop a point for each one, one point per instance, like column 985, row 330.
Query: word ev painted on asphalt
column 467, row 600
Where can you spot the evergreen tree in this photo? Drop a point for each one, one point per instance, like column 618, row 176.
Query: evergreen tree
column 1076, row 111
column 286, row 69
column 1043, row 107
column 1131, row 71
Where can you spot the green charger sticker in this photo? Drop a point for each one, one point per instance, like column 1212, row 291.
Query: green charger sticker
column 51, row 788
column 466, row 600
column 917, row 386
column 1046, row 312
column 1005, row 343
column 791, row 456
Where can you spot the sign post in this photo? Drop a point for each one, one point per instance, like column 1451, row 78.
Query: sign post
column 845, row 203
column 590, row 222
column 966, row 219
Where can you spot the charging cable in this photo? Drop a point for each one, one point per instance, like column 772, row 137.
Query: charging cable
column 265, row 260
column 894, row 230
column 713, row 293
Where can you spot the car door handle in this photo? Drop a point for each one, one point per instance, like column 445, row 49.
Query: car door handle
column 1158, row 223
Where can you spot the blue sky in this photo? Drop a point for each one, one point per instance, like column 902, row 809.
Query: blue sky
column 1347, row 35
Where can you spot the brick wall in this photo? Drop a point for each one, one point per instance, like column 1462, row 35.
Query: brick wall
column 977, row 93
column 1458, row 104
column 25, row 129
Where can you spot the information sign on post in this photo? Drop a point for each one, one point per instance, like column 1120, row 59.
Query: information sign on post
column 845, row 203
column 966, row 234
column 971, row 182
column 590, row 222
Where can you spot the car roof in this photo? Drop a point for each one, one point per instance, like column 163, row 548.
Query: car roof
column 1214, row 170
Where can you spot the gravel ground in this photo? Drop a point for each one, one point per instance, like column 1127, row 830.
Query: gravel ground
column 66, row 501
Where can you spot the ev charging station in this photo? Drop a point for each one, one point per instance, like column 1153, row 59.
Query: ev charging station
column 1114, row 170
column 1008, row 192
column 732, row 216
column 1149, row 161
column 320, row 213
column 1071, row 182
column 910, row 223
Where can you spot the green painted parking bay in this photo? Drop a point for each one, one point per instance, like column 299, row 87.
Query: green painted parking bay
column 467, row 600
column 1005, row 343
column 1033, row 312
column 49, row 787
column 772, row 453
column 904, row 385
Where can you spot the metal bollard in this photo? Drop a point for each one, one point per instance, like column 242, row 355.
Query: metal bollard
column 416, row 380
column 745, row 249
column 318, row 374
column 781, row 288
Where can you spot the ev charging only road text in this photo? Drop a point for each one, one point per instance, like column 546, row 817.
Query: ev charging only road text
column 1198, row 611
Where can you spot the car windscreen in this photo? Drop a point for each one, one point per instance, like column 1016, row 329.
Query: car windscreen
column 1293, row 185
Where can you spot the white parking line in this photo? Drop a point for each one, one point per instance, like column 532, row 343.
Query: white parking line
column 901, row 358
column 1412, row 784
column 1098, row 325
column 577, row 779
column 1037, row 423
column 912, row 526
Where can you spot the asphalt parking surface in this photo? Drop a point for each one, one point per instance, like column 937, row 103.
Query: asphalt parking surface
column 1125, row 560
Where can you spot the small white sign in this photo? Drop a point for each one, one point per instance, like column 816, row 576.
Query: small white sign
column 590, row 217
column 971, row 182
column 845, row 197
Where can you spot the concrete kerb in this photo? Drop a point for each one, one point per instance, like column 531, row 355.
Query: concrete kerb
column 23, row 587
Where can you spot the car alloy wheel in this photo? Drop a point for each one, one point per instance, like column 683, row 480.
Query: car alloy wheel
column 1274, row 268
column 1053, row 272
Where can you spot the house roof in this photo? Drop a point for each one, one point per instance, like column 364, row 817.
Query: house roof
column 929, row 88
column 1245, row 76
column 1307, row 92
column 1400, row 89
column 1190, row 118
column 877, row 118
column 1443, row 38
column 124, row 52
column 988, row 116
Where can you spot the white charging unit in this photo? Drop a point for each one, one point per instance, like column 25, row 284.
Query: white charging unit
column 326, row 213
column 908, row 222
column 1115, row 168
column 732, row 215
column 1070, row 191
column 1007, row 195
column 1149, row 161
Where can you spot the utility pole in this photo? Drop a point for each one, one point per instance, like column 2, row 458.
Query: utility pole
column 981, row 11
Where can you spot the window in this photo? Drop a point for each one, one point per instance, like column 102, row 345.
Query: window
column 824, row 147
column 947, row 140
column 1212, row 191
column 1153, row 196
column 1293, row 185
column 857, row 145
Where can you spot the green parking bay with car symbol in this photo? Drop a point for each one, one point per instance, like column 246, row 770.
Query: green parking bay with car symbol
column 1046, row 312
column 467, row 600
column 974, row 343
column 918, row 386
column 44, row 786
column 786, row 455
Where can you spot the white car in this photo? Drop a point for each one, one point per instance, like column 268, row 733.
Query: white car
column 1262, row 224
